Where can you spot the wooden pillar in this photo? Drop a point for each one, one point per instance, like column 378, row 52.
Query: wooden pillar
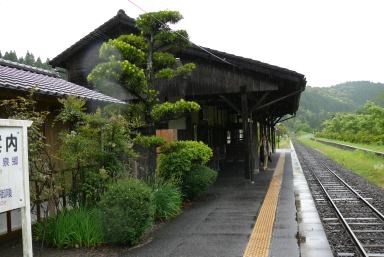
column 269, row 134
column 255, row 150
column 246, row 132
column 9, row 222
column 273, row 139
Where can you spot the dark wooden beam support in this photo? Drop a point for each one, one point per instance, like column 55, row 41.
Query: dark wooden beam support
column 230, row 103
column 293, row 116
column 259, row 101
column 255, row 149
column 245, row 118
column 277, row 120
column 277, row 100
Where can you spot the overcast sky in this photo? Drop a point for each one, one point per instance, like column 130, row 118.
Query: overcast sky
column 329, row 41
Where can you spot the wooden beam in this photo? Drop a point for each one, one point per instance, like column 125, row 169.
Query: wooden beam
column 277, row 100
column 230, row 103
column 259, row 101
column 247, row 136
column 293, row 116
column 277, row 120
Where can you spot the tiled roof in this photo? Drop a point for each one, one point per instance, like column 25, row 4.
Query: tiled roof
column 122, row 20
column 23, row 77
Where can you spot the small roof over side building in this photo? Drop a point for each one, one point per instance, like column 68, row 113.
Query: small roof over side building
column 22, row 77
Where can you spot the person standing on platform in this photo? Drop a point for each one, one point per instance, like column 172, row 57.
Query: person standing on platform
column 263, row 153
column 269, row 151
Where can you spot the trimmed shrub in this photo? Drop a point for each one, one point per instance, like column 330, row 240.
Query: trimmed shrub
column 197, row 181
column 178, row 157
column 78, row 227
column 167, row 200
column 127, row 211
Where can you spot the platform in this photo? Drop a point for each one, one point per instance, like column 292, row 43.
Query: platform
column 222, row 224
column 298, row 230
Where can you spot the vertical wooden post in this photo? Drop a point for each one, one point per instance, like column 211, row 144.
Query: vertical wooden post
column 251, row 150
column 273, row 139
column 255, row 149
column 9, row 222
column 26, row 222
column 246, row 135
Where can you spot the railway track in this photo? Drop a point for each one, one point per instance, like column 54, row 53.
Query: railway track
column 352, row 213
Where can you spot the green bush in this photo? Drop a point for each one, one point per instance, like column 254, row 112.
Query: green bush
column 167, row 200
column 178, row 157
column 127, row 211
column 72, row 228
column 197, row 181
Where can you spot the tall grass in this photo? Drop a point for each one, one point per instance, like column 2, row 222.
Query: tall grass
column 364, row 164
column 167, row 199
column 78, row 227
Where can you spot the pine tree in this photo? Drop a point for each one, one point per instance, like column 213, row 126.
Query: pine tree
column 39, row 63
column 29, row 59
column 46, row 65
column 137, row 61
column 10, row 56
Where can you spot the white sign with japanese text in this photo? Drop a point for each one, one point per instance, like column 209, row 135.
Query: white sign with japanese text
column 14, row 175
column 11, row 169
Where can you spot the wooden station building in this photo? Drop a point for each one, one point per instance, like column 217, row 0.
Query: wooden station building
column 242, row 99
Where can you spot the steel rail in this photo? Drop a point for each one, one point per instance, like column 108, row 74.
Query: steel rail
column 353, row 235
column 355, row 192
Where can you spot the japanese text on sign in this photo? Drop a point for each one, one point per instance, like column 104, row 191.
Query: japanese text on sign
column 11, row 172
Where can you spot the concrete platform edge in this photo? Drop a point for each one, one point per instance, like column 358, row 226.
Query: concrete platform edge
column 313, row 241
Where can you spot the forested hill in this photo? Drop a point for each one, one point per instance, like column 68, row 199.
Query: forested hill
column 318, row 103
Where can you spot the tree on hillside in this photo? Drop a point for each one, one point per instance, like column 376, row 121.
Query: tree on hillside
column 364, row 126
column 379, row 99
column 136, row 62
column 11, row 56
column 28, row 59
column 39, row 63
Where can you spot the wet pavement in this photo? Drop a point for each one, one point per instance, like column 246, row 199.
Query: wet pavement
column 314, row 242
column 220, row 223
column 298, row 231
column 218, row 226
column 284, row 238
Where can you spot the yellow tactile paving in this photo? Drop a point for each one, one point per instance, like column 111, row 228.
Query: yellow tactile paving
column 260, row 240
